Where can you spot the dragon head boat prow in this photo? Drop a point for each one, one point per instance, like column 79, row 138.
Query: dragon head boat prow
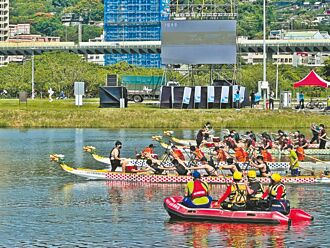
column 56, row 158
column 168, row 133
column 89, row 149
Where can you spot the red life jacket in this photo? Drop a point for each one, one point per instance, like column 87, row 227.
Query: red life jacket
column 199, row 190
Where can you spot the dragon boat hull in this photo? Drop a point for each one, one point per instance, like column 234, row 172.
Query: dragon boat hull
column 146, row 178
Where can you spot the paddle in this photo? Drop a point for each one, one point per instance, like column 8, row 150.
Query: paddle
column 316, row 159
column 223, row 174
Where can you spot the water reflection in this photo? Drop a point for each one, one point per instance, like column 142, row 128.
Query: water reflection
column 40, row 205
column 232, row 235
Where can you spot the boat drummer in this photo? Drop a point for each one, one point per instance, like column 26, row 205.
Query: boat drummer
column 115, row 159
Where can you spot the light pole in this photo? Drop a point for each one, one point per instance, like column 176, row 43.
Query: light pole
column 278, row 53
column 32, row 76
column 265, row 52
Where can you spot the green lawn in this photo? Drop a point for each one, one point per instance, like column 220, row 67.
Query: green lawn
column 63, row 113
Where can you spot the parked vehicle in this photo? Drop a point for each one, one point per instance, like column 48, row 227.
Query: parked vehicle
column 142, row 87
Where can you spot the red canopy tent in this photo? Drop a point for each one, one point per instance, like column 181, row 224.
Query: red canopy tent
column 312, row 79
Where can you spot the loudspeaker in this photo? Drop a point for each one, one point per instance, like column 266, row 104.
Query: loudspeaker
column 203, row 104
column 178, row 97
column 166, row 97
column 222, row 83
column 217, row 97
column 112, row 80
column 110, row 96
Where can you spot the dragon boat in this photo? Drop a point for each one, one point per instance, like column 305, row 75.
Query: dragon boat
column 185, row 144
column 176, row 210
column 105, row 174
column 311, row 167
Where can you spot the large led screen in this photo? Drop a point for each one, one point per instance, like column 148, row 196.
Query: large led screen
column 198, row 42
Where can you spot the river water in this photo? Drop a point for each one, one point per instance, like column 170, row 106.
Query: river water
column 42, row 206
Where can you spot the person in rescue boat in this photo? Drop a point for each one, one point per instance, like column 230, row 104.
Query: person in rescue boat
column 197, row 193
column 276, row 195
column 115, row 159
column 257, row 190
column 236, row 193
column 261, row 165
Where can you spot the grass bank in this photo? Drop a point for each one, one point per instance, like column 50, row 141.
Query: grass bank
column 63, row 113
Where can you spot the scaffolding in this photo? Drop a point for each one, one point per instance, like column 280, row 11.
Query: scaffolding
column 134, row 20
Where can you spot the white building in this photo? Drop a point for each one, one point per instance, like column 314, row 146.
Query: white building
column 4, row 25
column 96, row 58
column 19, row 29
column 4, row 20
column 299, row 58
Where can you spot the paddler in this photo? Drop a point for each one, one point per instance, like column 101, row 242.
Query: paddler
column 177, row 153
column 231, row 165
column 199, row 156
column 210, row 168
column 222, row 153
column 322, row 137
column 236, row 193
column 261, row 165
column 266, row 142
column 257, row 190
column 276, row 195
column 240, row 154
column 197, row 193
column 148, row 151
column 267, row 156
column 294, row 162
column 200, row 136
column 115, row 159
column 154, row 167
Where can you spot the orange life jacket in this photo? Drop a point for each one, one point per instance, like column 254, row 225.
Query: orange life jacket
column 179, row 154
column 241, row 155
column 199, row 154
column 266, row 156
column 300, row 153
column 221, row 156
column 148, row 150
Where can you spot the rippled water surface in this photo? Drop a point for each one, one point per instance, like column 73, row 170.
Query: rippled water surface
column 42, row 206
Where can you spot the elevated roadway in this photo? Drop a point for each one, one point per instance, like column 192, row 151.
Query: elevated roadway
column 29, row 48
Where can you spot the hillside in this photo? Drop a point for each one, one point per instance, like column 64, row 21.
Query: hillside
column 45, row 16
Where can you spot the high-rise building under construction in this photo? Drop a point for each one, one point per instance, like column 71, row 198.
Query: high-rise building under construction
column 134, row 20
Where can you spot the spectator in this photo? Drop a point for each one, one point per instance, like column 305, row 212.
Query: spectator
column 301, row 100
column 271, row 100
column 252, row 99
